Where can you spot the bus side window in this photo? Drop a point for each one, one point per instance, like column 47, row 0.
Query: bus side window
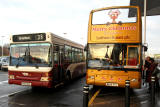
column 79, row 55
column 133, row 56
column 73, row 55
column 76, row 55
column 61, row 50
column 68, row 53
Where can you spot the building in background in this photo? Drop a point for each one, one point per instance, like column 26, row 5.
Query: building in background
column 5, row 50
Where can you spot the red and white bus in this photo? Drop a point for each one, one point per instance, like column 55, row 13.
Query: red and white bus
column 44, row 59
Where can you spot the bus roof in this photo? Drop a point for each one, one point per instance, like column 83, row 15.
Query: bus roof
column 49, row 37
column 105, row 8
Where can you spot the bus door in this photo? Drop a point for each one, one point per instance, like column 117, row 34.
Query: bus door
column 133, row 55
column 58, row 59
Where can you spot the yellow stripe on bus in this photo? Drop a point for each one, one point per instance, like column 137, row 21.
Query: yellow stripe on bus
column 94, row 96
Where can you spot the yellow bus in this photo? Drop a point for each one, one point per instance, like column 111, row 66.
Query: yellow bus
column 114, row 48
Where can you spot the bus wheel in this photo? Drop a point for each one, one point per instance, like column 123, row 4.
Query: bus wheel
column 34, row 88
column 96, row 87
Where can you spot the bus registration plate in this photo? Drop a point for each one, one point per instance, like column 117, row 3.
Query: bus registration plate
column 26, row 83
column 112, row 84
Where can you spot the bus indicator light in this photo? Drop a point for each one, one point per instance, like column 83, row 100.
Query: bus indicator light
column 11, row 76
column 25, row 74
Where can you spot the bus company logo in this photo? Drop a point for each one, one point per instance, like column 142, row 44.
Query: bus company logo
column 115, row 28
column 25, row 74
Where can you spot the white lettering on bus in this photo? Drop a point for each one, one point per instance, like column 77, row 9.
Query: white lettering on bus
column 24, row 38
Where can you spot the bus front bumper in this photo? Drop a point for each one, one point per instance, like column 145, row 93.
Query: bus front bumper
column 47, row 84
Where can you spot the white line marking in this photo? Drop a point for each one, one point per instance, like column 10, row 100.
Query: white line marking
column 11, row 94
column 2, row 82
column 143, row 102
column 3, row 74
column 143, row 95
column 4, row 96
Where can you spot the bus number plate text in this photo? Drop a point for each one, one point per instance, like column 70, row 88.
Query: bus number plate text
column 112, row 84
column 26, row 83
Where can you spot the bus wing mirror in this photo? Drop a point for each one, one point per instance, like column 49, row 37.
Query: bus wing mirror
column 56, row 48
column 145, row 48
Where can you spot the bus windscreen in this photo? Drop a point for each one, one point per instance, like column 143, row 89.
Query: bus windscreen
column 112, row 56
column 37, row 54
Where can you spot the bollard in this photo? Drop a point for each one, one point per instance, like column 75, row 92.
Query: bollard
column 153, row 89
column 85, row 96
column 127, row 93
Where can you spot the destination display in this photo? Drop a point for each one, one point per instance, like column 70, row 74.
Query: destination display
column 29, row 37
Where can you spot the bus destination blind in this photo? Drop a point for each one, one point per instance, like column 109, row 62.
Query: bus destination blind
column 29, row 37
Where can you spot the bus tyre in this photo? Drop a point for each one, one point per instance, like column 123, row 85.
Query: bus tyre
column 34, row 88
column 95, row 87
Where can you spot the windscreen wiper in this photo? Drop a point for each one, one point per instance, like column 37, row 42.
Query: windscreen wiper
column 36, row 66
column 17, row 65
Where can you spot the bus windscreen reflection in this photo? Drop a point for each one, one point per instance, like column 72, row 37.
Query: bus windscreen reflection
column 30, row 55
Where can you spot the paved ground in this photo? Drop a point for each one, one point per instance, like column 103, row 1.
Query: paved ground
column 115, row 97
column 69, row 95
column 23, row 96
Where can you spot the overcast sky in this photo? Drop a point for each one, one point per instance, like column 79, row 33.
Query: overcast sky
column 61, row 16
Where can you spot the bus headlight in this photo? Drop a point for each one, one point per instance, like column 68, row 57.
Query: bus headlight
column 91, row 77
column 11, row 77
column 44, row 79
column 134, row 80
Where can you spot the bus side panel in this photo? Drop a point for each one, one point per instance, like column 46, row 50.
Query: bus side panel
column 77, row 69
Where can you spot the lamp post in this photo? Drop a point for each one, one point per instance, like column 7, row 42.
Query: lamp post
column 2, row 45
column 64, row 35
